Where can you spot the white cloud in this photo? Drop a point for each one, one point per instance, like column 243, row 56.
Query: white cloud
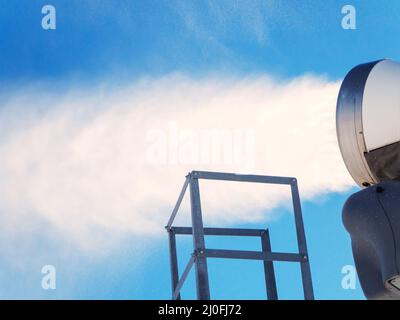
column 83, row 161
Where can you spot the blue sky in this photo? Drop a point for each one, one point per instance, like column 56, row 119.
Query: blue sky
column 117, row 42
column 156, row 37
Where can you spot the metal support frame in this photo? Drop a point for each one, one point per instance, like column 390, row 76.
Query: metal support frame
column 201, row 253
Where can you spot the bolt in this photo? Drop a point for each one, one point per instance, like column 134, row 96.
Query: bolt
column 379, row 189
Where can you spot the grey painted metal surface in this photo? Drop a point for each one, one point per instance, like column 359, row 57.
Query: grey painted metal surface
column 270, row 280
column 254, row 255
column 173, row 263
column 349, row 124
column 203, row 289
column 369, row 138
column 178, row 203
column 177, row 290
column 301, row 241
column 201, row 253
column 241, row 177
column 222, row 231
column 371, row 216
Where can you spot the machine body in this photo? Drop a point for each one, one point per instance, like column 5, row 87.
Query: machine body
column 368, row 130
column 372, row 218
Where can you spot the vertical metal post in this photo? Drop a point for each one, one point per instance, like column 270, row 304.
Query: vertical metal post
column 203, row 289
column 270, row 281
column 173, row 262
column 302, row 244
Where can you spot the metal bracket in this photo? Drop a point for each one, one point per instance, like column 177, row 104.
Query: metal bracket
column 201, row 253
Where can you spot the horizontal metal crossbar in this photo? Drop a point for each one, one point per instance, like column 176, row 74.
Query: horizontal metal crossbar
column 242, row 177
column 221, row 231
column 254, row 255
column 184, row 276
